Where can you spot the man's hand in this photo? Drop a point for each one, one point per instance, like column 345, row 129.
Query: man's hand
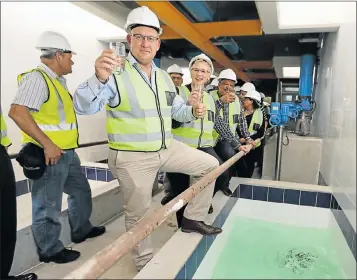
column 252, row 142
column 244, row 149
column 228, row 98
column 52, row 153
column 106, row 63
column 242, row 140
column 199, row 110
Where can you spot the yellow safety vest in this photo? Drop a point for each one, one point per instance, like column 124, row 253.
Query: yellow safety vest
column 142, row 120
column 56, row 117
column 197, row 133
column 5, row 140
column 257, row 118
column 233, row 112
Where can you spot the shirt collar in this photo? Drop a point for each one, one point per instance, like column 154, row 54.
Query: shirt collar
column 132, row 60
column 49, row 72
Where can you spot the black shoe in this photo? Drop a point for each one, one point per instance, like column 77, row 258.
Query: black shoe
column 227, row 192
column 65, row 256
column 166, row 199
column 29, row 276
column 96, row 231
column 199, row 227
column 210, row 210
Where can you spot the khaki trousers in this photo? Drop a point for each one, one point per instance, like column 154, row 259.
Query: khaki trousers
column 136, row 173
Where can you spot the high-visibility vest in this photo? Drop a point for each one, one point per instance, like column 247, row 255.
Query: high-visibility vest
column 197, row 133
column 56, row 117
column 5, row 140
column 257, row 118
column 233, row 112
column 142, row 120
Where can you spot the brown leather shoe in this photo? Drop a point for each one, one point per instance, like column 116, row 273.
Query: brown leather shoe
column 199, row 227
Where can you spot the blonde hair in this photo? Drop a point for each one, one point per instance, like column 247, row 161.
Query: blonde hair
column 201, row 60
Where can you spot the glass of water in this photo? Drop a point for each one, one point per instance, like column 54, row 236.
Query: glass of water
column 119, row 49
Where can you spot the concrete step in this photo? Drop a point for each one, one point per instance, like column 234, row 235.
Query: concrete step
column 124, row 268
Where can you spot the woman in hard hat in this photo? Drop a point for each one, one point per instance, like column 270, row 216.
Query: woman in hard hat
column 255, row 122
column 198, row 133
column 244, row 89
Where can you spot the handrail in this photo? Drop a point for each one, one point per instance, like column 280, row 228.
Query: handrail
column 85, row 145
column 105, row 258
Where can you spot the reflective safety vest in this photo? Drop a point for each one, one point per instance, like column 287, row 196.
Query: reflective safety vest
column 5, row 140
column 233, row 112
column 256, row 123
column 197, row 133
column 56, row 117
column 142, row 120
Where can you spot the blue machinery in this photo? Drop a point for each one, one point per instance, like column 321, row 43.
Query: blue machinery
column 302, row 109
column 281, row 112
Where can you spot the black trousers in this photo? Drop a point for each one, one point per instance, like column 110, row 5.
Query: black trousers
column 246, row 164
column 8, row 212
column 225, row 151
column 180, row 182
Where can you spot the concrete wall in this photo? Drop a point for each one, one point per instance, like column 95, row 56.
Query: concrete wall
column 335, row 116
column 21, row 24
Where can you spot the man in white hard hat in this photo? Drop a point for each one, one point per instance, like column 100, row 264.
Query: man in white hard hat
column 140, row 104
column 232, row 113
column 43, row 110
column 176, row 74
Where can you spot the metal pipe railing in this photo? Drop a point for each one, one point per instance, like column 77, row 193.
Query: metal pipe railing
column 108, row 256
column 85, row 145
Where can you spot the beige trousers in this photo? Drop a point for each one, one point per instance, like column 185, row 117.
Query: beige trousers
column 136, row 173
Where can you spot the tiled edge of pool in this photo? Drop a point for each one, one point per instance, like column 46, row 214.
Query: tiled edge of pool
column 270, row 194
column 92, row 173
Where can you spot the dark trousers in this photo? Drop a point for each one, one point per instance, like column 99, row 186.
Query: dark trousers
column 8, row 212
column 225, row 151
column 246, row 164
column 180, row 182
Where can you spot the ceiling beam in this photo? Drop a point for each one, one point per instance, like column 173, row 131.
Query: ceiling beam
column 169, row 15
column 217, row 29
column 261, row 76
column 242, row 64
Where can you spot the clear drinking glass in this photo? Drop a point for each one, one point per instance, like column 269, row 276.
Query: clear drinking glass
column 198, row 89
column 119, row 49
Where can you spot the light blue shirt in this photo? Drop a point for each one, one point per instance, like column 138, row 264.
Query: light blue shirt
column 92, row 95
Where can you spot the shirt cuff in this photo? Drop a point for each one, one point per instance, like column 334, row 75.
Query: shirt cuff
column 95, row 85
column 235, row 144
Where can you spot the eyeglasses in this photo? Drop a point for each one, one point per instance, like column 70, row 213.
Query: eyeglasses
column 203, row 71
column 140, row 37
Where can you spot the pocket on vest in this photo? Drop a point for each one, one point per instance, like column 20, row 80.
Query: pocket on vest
column 170, row 96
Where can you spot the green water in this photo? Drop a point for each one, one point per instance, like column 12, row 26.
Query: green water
column 256, row 249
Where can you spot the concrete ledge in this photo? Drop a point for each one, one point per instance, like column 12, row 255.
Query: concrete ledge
column 107, row 203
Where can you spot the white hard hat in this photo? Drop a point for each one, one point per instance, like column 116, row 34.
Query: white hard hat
column 247, row 87
column 142, row 16
column 53, row 40
column 262, row 95
column 227, row 74
column 213, row 76
column 237, row 88
column 214, row 82
column 253, row 94
column 174, row 69
column 203, row 57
